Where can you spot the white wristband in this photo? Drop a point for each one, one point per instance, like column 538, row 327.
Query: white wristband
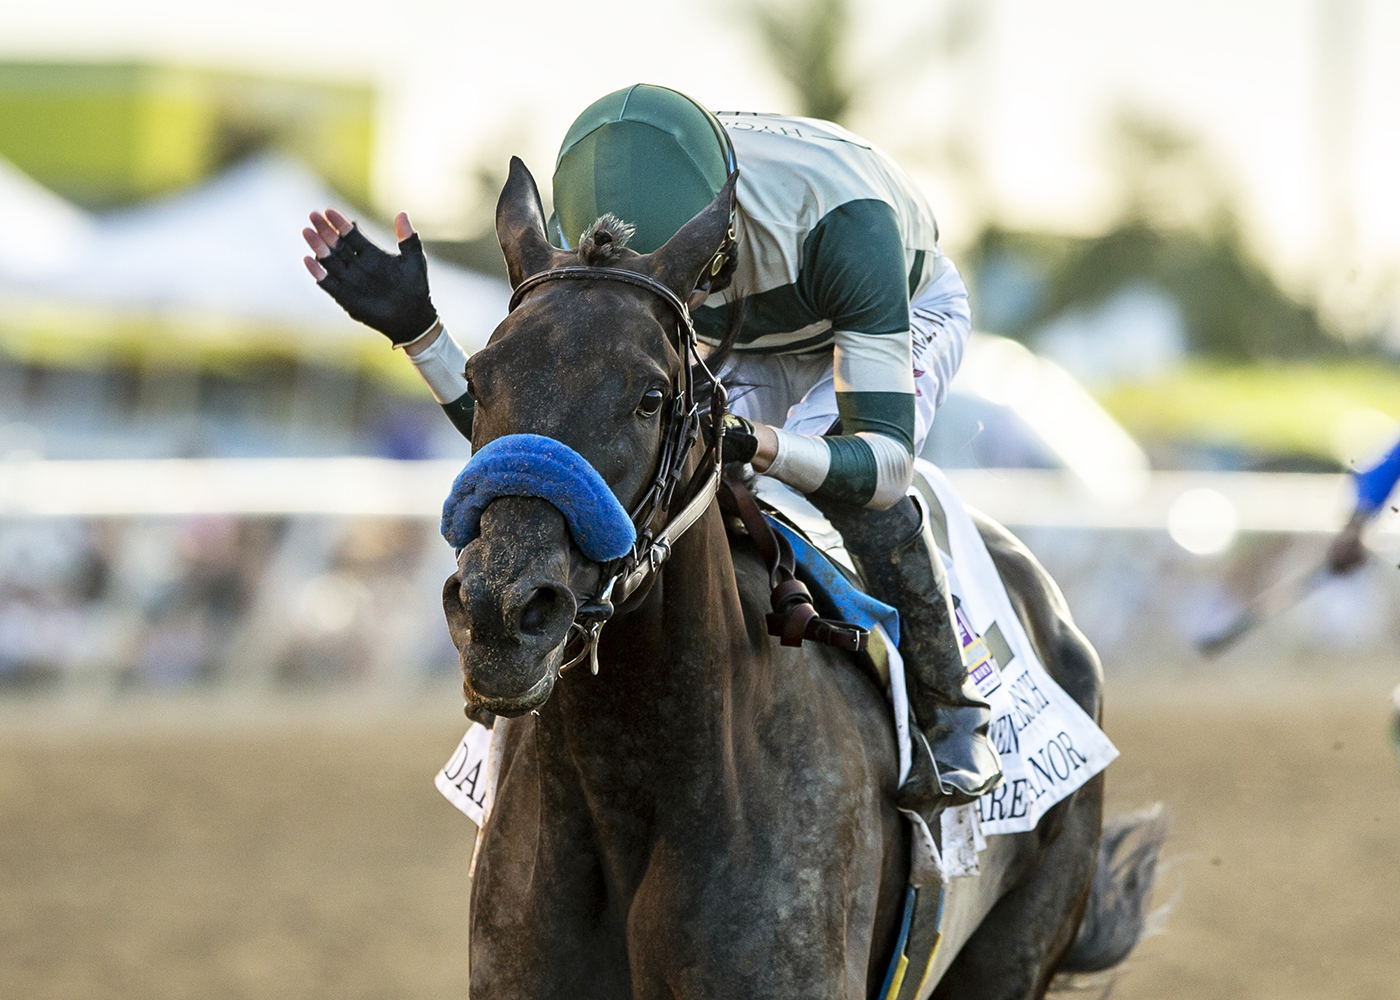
column 802, row 462
column 430, row 331
column 443, row 366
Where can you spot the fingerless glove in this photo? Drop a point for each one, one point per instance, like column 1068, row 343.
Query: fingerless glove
column 387, row 292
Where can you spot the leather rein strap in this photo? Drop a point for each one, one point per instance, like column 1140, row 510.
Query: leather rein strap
column 793, row 618
column 624, row 578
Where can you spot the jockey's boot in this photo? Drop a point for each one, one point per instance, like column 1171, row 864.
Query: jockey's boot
column 954, row 760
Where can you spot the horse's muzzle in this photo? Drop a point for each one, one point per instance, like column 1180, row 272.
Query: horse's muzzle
column 511, row 705
column 509, row 606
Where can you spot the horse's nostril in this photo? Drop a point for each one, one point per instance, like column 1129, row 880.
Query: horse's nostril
column 540, row 610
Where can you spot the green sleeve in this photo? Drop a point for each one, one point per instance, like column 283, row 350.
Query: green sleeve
column 460, row 412
column 853, row 269
column 855, row 275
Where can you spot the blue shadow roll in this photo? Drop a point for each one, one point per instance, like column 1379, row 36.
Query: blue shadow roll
column 531, row 465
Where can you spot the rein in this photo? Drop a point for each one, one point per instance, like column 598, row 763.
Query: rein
column 794, row 618
column 656, row 534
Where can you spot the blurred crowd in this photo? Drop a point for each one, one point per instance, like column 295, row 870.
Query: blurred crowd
column 1146, row 603
column 114, row 605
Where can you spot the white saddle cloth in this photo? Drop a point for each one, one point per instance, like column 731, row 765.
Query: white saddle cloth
column 1049, row 746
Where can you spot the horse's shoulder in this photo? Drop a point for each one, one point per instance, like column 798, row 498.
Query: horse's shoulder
column 751, row 575
column 1067, row 654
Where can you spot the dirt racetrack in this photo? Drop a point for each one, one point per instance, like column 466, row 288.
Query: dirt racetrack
column 308, row 854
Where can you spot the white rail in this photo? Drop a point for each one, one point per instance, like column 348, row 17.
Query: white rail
column 1283, row 502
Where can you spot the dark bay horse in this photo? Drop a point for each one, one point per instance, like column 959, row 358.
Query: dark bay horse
column 711, row 815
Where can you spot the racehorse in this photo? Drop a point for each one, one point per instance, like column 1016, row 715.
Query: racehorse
column 711, row 814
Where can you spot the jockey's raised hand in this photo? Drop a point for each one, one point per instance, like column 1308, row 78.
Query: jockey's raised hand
column 387, row 292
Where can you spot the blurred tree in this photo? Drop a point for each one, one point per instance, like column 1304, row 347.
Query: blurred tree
column 1233, row 309
column 1177, row 232
column 476, row 247
column 808, row 42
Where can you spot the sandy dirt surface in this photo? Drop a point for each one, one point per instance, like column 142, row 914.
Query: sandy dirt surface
column 1284, row 854
column 308, row 854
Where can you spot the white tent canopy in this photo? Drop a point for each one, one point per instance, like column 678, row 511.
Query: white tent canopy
column 228, row 251
column 39, row 231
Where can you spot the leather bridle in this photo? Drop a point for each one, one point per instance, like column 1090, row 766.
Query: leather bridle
column 624, row 578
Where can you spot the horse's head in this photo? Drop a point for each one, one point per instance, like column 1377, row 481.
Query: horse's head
column 592, row 364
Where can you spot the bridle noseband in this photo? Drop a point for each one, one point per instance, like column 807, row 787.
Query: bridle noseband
column 624, row 578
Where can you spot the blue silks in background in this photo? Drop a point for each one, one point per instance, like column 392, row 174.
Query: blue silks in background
column 836, row 596
column 1375, row 484
column 531, row 465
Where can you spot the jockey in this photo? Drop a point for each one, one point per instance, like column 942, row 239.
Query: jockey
column 1347, row 552
column 1373, row 488
column 843, row 323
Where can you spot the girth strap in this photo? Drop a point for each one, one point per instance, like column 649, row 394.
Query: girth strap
column 793, row 618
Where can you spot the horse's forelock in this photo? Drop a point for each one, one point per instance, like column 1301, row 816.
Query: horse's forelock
column 605, row 242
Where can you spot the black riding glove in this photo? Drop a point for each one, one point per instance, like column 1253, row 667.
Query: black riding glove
column 740, row 441
column 388, row 292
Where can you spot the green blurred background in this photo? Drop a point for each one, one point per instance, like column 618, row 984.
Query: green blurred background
column 106, row 134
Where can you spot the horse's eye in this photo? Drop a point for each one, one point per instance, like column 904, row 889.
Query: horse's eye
column 651, row 402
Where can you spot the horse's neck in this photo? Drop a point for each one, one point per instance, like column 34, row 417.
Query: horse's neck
column 681, row 640
column 660, row 709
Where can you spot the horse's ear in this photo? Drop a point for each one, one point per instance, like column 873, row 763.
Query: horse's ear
column 679, row 264
column 520, row 225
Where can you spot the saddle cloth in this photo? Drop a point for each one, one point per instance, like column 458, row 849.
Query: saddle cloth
column 1049, row 746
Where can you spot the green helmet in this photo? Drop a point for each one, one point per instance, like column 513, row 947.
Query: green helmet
column 649, row 155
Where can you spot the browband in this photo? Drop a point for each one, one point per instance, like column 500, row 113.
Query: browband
column 580, row 273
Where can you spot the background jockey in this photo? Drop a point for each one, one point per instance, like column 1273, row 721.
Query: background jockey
column 1373, row 487
column 846, row 323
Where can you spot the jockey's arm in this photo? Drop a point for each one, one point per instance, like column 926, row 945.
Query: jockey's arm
column 442, row 363
column 389, row 293
column 1374, row 485
column 854, row 272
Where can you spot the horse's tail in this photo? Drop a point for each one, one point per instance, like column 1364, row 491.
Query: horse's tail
column 1117, row 912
